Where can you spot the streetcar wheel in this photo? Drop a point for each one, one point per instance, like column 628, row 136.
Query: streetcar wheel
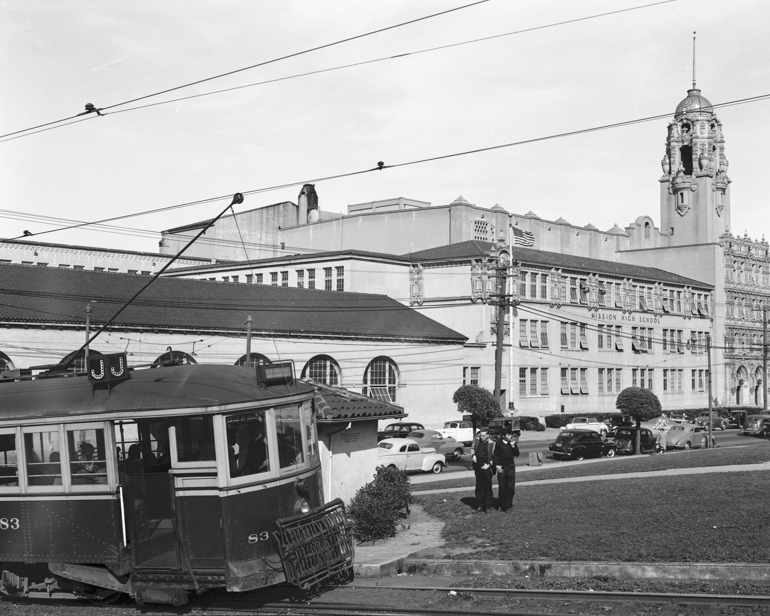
column 437, row 468
column 105, row 597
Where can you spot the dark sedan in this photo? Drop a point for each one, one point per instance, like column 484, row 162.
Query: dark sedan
column 400, row 429
column 625, row 439
column 580, row 444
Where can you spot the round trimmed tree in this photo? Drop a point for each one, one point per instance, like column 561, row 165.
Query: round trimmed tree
column 479, row 403
column 642, row 405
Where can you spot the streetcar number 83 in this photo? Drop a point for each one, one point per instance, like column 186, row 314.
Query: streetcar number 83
column 9, row 523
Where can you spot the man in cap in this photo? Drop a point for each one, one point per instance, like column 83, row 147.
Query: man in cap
column 482, row 467
column 505, row 452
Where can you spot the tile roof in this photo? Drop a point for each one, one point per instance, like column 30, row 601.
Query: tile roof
column 47, row 295
column 529, row 256
column 338, row 404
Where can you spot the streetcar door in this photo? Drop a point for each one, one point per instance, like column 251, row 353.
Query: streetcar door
column 149, row 494
column 199, row 508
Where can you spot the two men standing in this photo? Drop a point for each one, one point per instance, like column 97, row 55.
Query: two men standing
column 490, row 455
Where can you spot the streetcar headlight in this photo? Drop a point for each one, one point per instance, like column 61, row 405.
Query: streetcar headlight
column 302, row 506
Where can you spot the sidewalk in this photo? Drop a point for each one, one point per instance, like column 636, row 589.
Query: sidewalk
column 400, row 554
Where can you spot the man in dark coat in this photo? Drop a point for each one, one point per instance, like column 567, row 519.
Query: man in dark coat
column 482, row 467
column 505, row 452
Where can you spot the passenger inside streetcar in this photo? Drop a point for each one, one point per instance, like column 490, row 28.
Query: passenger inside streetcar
column 87, row 470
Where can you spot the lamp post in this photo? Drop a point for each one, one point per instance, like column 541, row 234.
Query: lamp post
column 711, row 410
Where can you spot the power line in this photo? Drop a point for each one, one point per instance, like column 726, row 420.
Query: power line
column 43, row 128
column 253, row 66
column 383, row 167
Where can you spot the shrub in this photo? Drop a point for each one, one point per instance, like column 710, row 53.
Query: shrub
column 378, row 505
column 530, row 423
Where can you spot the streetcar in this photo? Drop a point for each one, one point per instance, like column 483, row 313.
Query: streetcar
column 159, row 482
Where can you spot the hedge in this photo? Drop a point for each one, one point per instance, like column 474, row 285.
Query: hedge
column 530, row 423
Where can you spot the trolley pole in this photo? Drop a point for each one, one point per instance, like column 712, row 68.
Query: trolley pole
column 711, row 410
column 501, row 305
column 764, row 358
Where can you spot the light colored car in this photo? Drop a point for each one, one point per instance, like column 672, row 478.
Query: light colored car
column 406, row 454
column 442, row 444
column 587, row 423
column 684, row 436
column 461, row 431
column 717, row 422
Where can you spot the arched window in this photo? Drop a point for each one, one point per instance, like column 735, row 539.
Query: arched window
column 323, row 369
column 647, row 230
column 77, row 362
column 174, row 357
column 5, row 362
column 381, row 379
column 256, row 358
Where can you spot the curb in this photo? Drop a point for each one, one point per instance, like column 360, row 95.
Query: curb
column 743, row 572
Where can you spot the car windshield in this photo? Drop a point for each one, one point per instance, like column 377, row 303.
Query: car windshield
column 680, row 428
column 385, row 445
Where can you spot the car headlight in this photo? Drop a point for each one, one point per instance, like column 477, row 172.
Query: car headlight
column 301, row 506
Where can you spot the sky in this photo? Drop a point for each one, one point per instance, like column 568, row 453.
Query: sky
column 57, row 56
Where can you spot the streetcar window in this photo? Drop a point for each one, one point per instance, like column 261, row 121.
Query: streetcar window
column 42, row 449
column 247, row 444
column 88, row 464
column 311, row 438
column 195, row 438
column 9, row 468
column 289, row 428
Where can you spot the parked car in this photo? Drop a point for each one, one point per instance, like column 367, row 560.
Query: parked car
column 587, row 423
column 500, row 425
column 442, row 444
column 678, row 418
column 756, row 425
column 684, row 436
column 617, row 421
column 736, row 418
column 625, row 437
column 579, row 444
column 400, row 429
column 461, row 431
column 717, row 421
column 406, row 454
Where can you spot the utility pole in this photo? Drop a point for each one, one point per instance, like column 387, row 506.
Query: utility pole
column 708, row 353
column 248, row 342
column 501, row 305
column 764, row 357
column 89, row 310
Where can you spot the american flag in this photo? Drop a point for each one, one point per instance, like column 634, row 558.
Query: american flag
column 523, row 238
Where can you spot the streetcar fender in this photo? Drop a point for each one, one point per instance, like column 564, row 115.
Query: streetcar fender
column 93, row 575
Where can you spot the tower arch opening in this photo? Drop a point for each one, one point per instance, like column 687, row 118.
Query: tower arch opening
column 685, row 155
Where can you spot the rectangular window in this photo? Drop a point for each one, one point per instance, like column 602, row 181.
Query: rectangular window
column 642, row 375
column 522, row 381
column 618, row 339
column 543, row 381
column 694, row 376
column 97, row 269
column 340, row 271
column 523, row 284
column 274, row 278
column 284, row 279
column 249, row 278
column 700, row 380
column 600, row 381
column 665, row 379
column 583, row 292
column 665, row 342
column 43, row 449
column 533, row 381
column 583, row 381
column 600, row 337
column 474, row 375
column 533, row 340
column 523, row 340
column 679, row 341
column 608, row 346
column 544, row 334
column 564, row 383
column 609, row 379
column 311, row 279
column 260, row 278
column 649, row 339
column 602, row 294
column 533, row 285
column 129, row 271
column 618, row 379
column 573, row 290
column 9, row 461
column 583, row 337
column 574, row 388
column 300, row 279
column 573, row 335
column 650, row 379
column 564, row 341
column 327, row 279
column 80, row 267
column 543, row 286
column 235, row 278
column 225, row 278
column 634, row 374
column 635, row 340
column 680, row 381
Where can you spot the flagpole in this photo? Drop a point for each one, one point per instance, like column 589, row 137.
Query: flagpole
column 510, row 314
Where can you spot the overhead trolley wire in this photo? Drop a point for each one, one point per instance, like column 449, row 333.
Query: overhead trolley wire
column 32, row 131
column 259, row 64
column 382, row 167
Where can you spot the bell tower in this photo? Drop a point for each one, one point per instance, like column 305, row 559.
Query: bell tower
column 694, row 188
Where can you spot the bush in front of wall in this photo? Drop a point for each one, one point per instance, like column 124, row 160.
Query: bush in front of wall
column 380, row 504
column 530, row 423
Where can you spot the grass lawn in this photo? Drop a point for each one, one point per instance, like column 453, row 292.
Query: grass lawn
column 715, row 517
column 753, row 453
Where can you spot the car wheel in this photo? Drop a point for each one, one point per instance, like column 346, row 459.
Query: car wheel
column 603, row 433
column 620, row 444
column 611, row 453
column 687, row 445
column 437, row 468
column 703, row 442
column 458, row 452
column 579, row 456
